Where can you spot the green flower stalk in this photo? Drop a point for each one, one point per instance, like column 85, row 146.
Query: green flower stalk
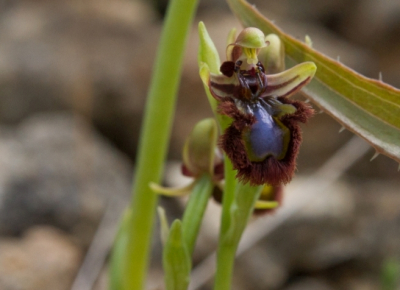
column 133, row 262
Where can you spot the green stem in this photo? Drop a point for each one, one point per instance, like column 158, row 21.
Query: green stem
column 238, row 199
column 194, row 211
column 225, row 264
column 154, row 139
column 229, row 194
column 235, row 216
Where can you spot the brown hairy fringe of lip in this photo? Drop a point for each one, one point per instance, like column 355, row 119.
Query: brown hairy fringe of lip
column 270, row 170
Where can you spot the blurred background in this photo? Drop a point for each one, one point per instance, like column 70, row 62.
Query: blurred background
column 73, row 82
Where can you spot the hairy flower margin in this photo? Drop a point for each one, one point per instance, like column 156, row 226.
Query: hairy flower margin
column 264, row 137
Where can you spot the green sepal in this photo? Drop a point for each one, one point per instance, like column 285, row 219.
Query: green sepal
column 230, row 40
column 291, row 80
column 273, row 56
column 261, row 204
column 171, row 191
column 208, row 55
column 209, row 62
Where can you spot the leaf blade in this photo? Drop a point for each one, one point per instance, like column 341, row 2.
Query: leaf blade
column 367, row 107
column 176, row 259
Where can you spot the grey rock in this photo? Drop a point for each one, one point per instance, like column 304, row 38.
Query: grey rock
column 56, row 170
column 93, row 57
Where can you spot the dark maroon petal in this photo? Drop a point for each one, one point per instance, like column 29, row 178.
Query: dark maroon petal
column 227, row 68
column 219, row 171
column 185, row 171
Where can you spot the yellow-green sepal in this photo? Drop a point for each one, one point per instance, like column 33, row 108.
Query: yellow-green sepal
column 290, row 81
column 273, row 56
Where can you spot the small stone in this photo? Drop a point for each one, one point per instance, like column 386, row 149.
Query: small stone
column 44, row 259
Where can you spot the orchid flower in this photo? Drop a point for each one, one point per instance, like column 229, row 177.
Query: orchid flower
column 264, row 136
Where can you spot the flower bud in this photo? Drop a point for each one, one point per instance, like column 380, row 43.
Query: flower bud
column 199, row 152
column 251, row 37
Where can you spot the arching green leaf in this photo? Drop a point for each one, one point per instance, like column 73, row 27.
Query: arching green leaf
column 367, row 107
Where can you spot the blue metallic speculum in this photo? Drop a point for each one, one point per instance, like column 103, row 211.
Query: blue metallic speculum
column 267, row 136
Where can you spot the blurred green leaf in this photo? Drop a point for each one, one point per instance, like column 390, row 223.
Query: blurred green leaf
column 390, row 276
column 176, row 260
column 118, row 257
column 367, row 107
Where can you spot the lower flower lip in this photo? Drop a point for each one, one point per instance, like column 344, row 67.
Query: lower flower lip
column 270, row 170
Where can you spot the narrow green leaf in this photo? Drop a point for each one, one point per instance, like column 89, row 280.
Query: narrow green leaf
column 164, row 229
column 195, row 209
column 118, row 257
column 176, row 260
column 367, row 107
